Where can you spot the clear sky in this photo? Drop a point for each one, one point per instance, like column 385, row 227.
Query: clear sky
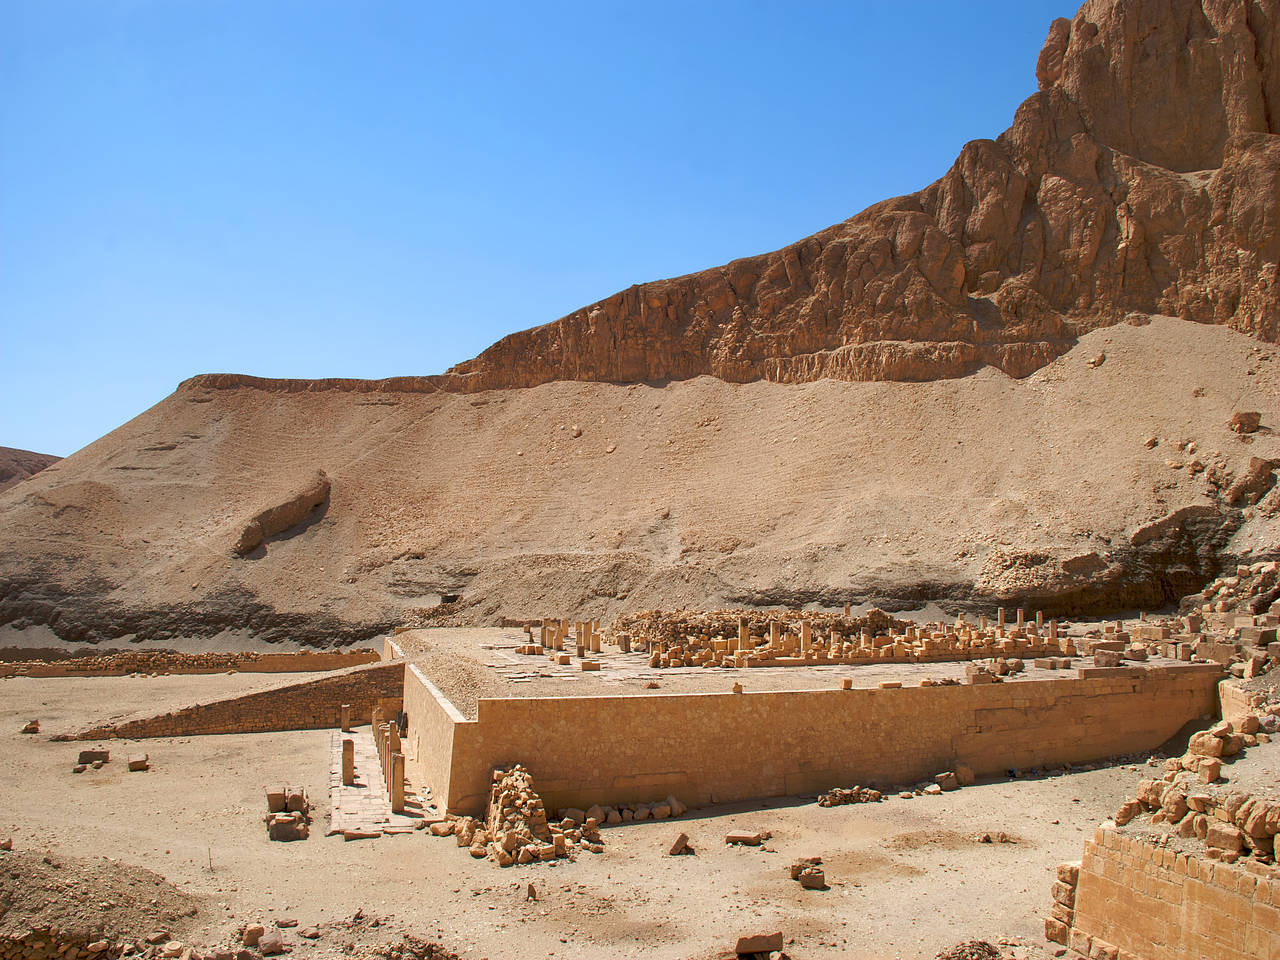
column 367, row 189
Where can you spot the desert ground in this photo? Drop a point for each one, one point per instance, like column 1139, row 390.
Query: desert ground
column 908, row 878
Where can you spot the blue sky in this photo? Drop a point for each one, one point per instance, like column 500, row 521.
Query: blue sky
column 369, row 189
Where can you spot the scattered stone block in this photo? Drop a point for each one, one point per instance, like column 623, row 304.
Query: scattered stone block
column 32, row 726
column 947, row 781
column 94, row 756
column 745, row 839
column 681, row 847
column 759, row 943
column 271, row 943
column 139, row 762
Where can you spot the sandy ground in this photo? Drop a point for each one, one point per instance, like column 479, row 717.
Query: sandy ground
column 906, row 880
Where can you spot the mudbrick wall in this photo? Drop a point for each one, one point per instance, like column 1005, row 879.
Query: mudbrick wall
column 1141, row 901
column 308, row 705
column 709, row 748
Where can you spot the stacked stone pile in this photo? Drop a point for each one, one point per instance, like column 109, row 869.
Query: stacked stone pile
column 1191, row 797
column 627, row 812
column 515, row 828
column 288, row 814
column 839, row 796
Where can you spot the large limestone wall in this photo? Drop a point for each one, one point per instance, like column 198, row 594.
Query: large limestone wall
column 306, row 705
column 708, row 748
column 433, row 721
column 1152, row 903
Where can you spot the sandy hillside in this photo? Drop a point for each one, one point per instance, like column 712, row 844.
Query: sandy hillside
column 694, row 493
column 836, row 421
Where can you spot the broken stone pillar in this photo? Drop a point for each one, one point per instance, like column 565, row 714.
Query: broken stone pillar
column 1022, row 618
column 1000, row 617
column 983, row 623
column 846, row 609
column 542, row 635
column 744, row 634
column 1039, row 619
column 806, row 637
column 397, row 783
column 1053, row 631
column 595, row 641
column 345, row 718
column 348, row 762
column 775, row 634
column 624, row 642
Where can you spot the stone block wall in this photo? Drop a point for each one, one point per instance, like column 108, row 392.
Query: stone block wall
column 1137, row 900
column 709, row 748
column 304, row 705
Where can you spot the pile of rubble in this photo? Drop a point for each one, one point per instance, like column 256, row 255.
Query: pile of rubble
column 1250, row 588
column 838, row 796
column 1190, row 796
column 515, row 828
column 288, row 814
column 627, row 812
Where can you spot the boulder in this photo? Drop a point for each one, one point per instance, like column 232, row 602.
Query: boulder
column 252, row 934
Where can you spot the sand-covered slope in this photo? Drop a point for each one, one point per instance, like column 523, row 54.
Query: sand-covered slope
column 750, row 434
column 700, row 492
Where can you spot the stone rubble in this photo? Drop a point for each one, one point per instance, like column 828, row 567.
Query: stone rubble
column 288, row 814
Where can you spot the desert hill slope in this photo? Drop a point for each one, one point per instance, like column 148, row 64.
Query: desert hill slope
column 747, row 434
column 17, row 465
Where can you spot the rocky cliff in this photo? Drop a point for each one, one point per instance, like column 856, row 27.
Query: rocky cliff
column 1143, row 176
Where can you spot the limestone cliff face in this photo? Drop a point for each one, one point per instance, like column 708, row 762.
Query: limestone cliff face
column 1143, row 176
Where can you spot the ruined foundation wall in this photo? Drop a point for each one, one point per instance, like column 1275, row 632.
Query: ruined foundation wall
column 1156, row 904
column 305, row 661
column 707, row 748
column 306, row 705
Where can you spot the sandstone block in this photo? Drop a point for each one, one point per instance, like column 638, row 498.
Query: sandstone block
column 759, row 943
column 138, row 762
column 1225, row 836
column 1069, row 873
column 947, row 781
column 680, row 847
column 1055, row 931
column 252, row 934
column 1064, row 893
column 743, row 838
column 1209, row 769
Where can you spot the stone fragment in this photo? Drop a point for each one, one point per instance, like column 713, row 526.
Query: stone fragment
column 94, row 756
column 309, row 933
column 759, row 943
column 680, row 847
column 743, row 838
column 138, row 762
column 1069, row 873
column 1128, row 810
column 271, row 943
column 32, row 726
column 947, row 781
column 1224, row 836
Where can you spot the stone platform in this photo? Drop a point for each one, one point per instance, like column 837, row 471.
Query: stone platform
column 364, row 809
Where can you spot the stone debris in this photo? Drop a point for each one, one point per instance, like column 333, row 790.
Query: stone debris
column 139, row 762
column 748, row 638
column 516, row 830
column 95, row 756
column 838, row 796
column 32, row 726
column 807, row 871
column 764, row 943
column 288, row 814
column 971, row 950
column 681, row 847
column 1231, row 823
column 742, row 838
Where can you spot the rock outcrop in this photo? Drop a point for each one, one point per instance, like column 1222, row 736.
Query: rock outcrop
column 1143, row 176
column 280, row 517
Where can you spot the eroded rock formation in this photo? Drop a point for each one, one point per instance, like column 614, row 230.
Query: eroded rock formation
column 1143, row 176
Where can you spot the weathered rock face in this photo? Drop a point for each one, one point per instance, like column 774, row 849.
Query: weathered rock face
column 1143, row 176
